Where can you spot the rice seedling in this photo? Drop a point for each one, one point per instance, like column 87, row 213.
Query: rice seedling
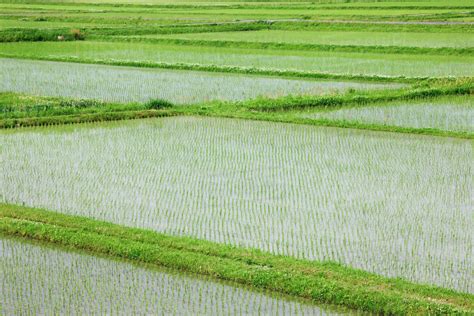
column 369, row 64
column 411, row 39
column 297, row 278
column 391, row 204
column 40, row 280
column 120, row 84
column 449, row 114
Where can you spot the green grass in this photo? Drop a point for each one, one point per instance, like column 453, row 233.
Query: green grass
column 19, row 35
column 133, row 23
column 318, row 281
column 23, row 110
column 435, row 89
column 13, row 105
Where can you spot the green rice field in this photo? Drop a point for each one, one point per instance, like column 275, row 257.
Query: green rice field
column 223, row 13
column 255, row 192
column 451, row 114
column 338, row 38
column 80, row 283
column 236, row 157
column 303, row 61
column 118, row 84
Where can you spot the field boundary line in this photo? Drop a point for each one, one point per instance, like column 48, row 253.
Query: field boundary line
column 276, row 110
column 321, row 282
column 269, row 117
column 84, row 118
column 352, row 125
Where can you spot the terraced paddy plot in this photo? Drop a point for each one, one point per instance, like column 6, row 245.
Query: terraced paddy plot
column 44, row 281
column 388, row 203
column 449, row 114
column 237, row 13
column 122, row 84
column 410, row 39
column 392, row 3
column 321, row 14
column 304, row 61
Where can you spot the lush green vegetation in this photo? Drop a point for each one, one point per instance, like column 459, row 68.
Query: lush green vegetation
column 22, row 110
column 321, row 198
column 321, row 282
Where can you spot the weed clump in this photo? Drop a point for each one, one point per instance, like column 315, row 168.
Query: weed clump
column 157, row 104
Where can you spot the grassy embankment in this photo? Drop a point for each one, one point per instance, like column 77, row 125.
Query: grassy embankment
column 323, row 282
column 94, row 30
column 22, row 111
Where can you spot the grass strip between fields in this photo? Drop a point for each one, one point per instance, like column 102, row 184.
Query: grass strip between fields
column 131, row 115
column 352, row 124
column 462, row 86
column 277, row 110
column 35, row 34
column 85, row 118
column 321, row 282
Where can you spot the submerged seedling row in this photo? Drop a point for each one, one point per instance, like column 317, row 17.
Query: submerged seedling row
column 392, row 204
